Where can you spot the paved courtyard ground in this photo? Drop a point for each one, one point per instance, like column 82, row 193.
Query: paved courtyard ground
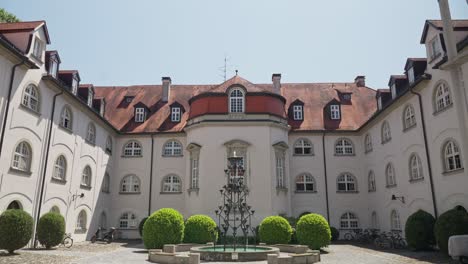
column 133, row 253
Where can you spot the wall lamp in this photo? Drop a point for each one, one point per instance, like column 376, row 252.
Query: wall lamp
column 400, row 198
column 74, row 196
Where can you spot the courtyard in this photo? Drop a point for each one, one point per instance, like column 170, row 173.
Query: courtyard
column 133, row 252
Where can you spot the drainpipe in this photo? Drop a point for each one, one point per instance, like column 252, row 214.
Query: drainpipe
column 426, row 147
column 326, row 177
column 151, row 175
column 10, row 89
column 46, row 161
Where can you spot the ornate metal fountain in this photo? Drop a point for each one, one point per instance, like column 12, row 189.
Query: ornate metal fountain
column 235, row 215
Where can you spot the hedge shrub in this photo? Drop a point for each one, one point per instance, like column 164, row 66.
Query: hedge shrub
column 51, row 229
column 419, row 230
column 200, row 229
column 450, row 223
column 140, row 226
column 275, row 230
column 313, row 230
column 335, row 234
column 165, row 226
column 16, row 227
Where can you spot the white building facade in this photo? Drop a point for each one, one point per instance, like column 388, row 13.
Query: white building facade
column 110, row 156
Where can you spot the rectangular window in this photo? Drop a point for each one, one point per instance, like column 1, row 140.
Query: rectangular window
column 434, row 48
column 90, row 98
column 280, row 170
column 411, row 75
column 335, row 112
column 194, row 172
column 38, row 49
column 297, row 112
column 74, row 86
column 53, row 68
column 393, row 90
column 175, row 114
column 139, row 115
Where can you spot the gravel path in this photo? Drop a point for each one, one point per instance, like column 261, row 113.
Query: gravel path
column 134, row 253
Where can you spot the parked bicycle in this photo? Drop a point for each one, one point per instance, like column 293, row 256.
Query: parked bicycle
column 100, row 235
column 383, row 241
column 365, row 236
column 67, row 240
column 397, row 240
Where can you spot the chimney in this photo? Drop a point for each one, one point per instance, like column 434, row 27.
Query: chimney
column 360, row 81
column 166, row 88
column 276, row 78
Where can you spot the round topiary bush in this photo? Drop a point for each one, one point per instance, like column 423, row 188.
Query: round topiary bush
column 313, row 230
column 450, row 223
column 200, row 229
column 51, row 229
column 275, row 230
column 16, row 227
column 165, row 226
column 419, row 230
column 140, row 226
column 335, row 234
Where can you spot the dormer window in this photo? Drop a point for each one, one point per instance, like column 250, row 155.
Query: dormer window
column 434, row 48
column 53, row 66
column 411, row 75
column 379, row 103
column 236, row 101
column 140, row 114
column 90, row 97
column 298, row 112
column 175, row 114
column 74, row 85
column 128, row 99
column 335, row 112
column 38, row 49
column 393, row 90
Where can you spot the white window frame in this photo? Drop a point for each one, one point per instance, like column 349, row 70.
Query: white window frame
column 452, row 156
column 53, row 66
column 371, row 181
column 415, row 168
column 140, row 114
column 409, row 117
column 81, row 221
column 86, row 176
column 66, row 118
column 335, row 112
column 38, row 49
column 128, row 220
column 344, row 147
column 74, row 85
column 280, row 164
column 349, row 220
column 395, row 221
column 60, row 168
column 22, row 157
column 298, row 112
column 411, row 75
column 132, row 149
column 31, row 98
column 130, row 184
column 172, row 184
column 435, row 49
column 172, row 148
column 91, row 134
column 368, row 143
column 390, row 175
column 386, row 132
column 305, row 180
column 175, row 114
column 301, row 146
column 393, row 90
column 348, row 181
column 442, row 97
column 194, row 172
column 90, row 97
column 236, row 101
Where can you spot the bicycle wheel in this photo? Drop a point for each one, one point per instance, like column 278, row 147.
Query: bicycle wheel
column 67, row 242
column 348, row 236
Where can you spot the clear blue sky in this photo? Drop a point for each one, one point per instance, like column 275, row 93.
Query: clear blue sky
column 124, row 42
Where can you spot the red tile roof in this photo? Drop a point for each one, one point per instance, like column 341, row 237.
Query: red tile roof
column 19, row 33
column 27, row 25
column 458, row 24
column 314, row 95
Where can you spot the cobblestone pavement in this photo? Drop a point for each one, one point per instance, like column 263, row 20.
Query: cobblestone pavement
column 134, row 253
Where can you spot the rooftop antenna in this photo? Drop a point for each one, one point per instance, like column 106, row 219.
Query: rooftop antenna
column 236, row 72
column 227, row 67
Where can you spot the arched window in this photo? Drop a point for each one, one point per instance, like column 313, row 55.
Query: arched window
column 344, row 146
column 390, row 175
column 374, row 220
column 60, row 168
column 395, row 220
column 346, row 182
column 55, row 209
column 106, row 183
column 303, row 147
column 130, row 184
column 371, row 181
column 91, row 134
column 236, row 101
column 109, row 144
column 409, row 119
column 132, row 149
column 81, row 221
column 31, row 97
column 415, row 167
column 305, row 183
column 66, row 118
column 22, row 157
column 14, row 205
column 452, row 159
column 128, row 220
column 86, row 177
column 386, row 135
column 103, row 221
column 349, row 221
column 368, row 143
column 172, row 148
column 442, row 97
column 172, row 183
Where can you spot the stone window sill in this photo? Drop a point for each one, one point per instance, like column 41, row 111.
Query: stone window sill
column 442, row 109
column 131, row 157
column 447, row 173
column 406, row 129
column 21, row 172
column 304, row 192
column 34, row 112
column 416, row 180
column 129, row 193
column 347, row 191
column 66, row 129
column 86, row 187
column 170, row 193
column 172, row 156
column 59, row 181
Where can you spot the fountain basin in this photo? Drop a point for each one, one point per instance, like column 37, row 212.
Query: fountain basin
column 249, row 253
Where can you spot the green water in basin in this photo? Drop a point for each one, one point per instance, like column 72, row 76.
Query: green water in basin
column 231, row 249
